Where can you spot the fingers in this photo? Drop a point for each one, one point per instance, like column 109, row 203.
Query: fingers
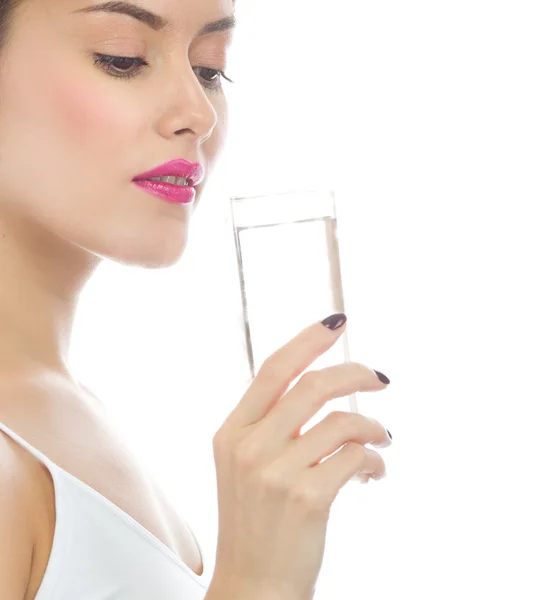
column 332, row 474
column 310, row 394
column 280, row 369
column 264, row 428
column 314, row 490
column 337, row 429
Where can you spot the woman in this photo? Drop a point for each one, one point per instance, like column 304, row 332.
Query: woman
column 94, row 98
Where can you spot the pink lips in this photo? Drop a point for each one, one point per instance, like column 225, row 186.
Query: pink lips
column 194, row 172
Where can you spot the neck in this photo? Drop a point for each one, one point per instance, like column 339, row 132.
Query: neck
column 41, row 278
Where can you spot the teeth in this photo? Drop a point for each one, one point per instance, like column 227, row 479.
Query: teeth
column 171, row 179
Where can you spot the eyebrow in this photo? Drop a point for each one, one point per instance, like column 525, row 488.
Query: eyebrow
column 155, row 22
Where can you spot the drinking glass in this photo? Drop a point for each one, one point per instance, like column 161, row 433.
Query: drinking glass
column 290, row 276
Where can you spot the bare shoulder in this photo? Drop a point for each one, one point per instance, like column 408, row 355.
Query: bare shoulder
column 18, row 484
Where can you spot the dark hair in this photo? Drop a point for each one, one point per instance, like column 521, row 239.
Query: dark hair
column 7, row 9
column 7, row 17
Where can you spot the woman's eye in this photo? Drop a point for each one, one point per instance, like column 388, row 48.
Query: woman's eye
column 214, row 79
column 119, row 66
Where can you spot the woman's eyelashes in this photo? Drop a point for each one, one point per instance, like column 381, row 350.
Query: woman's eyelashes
column 119, row 67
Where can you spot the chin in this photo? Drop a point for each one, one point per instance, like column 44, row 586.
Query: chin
column 165, row 242
column 161, row 246
column 158, row 252
column 153, row 237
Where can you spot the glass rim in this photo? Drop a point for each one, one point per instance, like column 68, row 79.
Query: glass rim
column 313, row 190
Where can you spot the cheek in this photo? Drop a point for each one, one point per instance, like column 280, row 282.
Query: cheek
column 64, row 105
column 84, row 113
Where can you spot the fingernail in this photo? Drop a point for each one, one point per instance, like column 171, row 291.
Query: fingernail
column 335, row 321
column 381, row 377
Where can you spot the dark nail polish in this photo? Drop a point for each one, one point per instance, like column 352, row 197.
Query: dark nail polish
column 335, row 321
column 381, row 377
column 390, row 436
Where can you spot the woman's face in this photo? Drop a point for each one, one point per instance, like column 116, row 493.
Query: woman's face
column 73, row 134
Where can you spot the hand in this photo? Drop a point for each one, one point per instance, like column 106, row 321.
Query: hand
column 274, row 494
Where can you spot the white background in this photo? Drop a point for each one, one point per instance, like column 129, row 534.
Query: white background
column 436, row 125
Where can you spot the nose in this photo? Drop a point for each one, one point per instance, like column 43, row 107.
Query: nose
column 189, row 110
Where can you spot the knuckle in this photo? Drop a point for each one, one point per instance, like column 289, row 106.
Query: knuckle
column 216, row 439
column 338, row 417
column 270, row 369
column 348, row 423
column 315, row 381
column 380, row 470
column 223, row 438
column 274, row 480
column 357, row 452
column 374, row 461
column 310, row 498
column 219, row 441
column 245, row 455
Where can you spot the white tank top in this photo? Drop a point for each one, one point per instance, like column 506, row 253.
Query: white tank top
column 100, row 552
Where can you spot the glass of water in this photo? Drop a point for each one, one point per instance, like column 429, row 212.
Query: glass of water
column 290, row 276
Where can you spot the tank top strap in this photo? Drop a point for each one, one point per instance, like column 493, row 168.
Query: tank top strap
column 36, row 453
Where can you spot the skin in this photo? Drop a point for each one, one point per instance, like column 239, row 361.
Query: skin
column 72, row 137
